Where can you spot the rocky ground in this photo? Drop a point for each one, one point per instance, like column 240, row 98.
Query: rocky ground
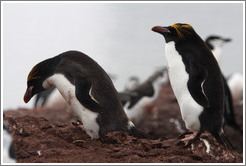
column 53, row 135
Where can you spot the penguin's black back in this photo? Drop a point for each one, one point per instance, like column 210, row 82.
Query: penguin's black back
column 78, row 64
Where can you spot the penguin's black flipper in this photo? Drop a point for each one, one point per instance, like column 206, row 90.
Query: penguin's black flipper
column 197, row 77
column 84, row 93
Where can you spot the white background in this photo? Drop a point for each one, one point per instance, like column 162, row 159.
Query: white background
column 117, row 35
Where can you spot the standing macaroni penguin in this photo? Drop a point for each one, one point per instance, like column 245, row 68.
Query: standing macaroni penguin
column 87, row 89
column 196, row 80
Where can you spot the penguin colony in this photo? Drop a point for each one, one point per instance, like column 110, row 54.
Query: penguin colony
column 195, row 76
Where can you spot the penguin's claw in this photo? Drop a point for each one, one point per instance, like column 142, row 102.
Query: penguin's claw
column 190, row 138
column 185, row 133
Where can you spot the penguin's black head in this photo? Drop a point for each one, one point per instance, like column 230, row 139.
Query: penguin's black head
column 216, row 41
column 36, row 77
column 175, row 32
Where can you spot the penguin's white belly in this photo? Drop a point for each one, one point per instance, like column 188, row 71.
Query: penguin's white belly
column 67, row 90
column 190, row 109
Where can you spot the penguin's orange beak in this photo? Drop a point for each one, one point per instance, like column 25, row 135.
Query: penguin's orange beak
column 160, row 29
column 28, row 95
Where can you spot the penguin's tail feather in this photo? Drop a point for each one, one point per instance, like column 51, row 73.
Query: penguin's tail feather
column 221, row 138
column 139, row 133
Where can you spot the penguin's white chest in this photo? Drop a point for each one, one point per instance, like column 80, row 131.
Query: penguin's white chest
column 190, row 109
column 67, row 90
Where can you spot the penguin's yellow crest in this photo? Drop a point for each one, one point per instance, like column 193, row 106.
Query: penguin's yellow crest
column 181, row 28
column 32, row 74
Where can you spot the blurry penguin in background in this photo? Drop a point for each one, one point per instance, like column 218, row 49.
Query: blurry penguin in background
column 235, row 82
column 42, row 98
column 215, row 44
column 50, row 98
column 132, row 83
column 135, row 100
column 8, row 148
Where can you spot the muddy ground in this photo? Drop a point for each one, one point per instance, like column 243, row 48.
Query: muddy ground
column 48, row 135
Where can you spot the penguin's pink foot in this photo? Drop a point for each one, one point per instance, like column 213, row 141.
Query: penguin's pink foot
column 190, row 138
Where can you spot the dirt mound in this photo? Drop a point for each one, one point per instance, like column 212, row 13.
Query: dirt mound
column 53, row 135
